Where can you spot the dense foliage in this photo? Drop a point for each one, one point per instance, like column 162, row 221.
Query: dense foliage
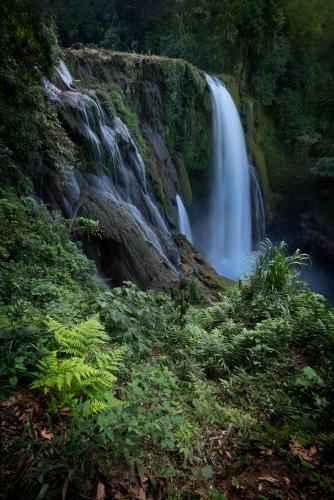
column 256, row 365
column 280, row 50
column 28, row 50
column 124, row 387
column 41, row 272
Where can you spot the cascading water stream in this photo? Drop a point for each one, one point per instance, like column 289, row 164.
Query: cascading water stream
column 65, row 74
column 183, row 219
column 229, row 222
column 258, row 210
column 129, row 186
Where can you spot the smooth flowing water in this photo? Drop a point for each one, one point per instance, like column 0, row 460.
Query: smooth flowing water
column 230, row 222
column 183, row 219
column 258, row 210
column 120, row 174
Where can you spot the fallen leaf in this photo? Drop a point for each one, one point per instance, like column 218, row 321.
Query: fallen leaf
column 46, row 434
column 301, row 452
column 270, row 479
column 141, row 494
column 24, row 417
column 236, row 484
column 101, row 491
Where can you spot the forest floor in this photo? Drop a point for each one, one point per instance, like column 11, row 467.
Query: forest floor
column 245, row 472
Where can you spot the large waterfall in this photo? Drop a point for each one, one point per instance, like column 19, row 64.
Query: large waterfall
column 230, row 222
column 116, row 176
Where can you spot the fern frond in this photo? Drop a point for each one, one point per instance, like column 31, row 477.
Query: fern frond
column 83, row 364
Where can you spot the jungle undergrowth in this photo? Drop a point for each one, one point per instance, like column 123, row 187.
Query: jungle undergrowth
column 190, row 385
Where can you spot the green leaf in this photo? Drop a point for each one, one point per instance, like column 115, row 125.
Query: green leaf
column 207, row 472
column 215, row 494
column 13, row 381
column 43, row 491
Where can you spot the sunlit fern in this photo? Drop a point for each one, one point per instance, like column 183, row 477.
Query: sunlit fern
column 82, row 366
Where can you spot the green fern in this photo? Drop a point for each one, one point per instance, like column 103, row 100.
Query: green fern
column 82, row 366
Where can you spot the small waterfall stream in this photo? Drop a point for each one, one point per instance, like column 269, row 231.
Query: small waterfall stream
column 230, row 221
column 258, row 210
column 183, row 219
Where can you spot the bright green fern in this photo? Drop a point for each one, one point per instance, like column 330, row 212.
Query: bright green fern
column 82, row 367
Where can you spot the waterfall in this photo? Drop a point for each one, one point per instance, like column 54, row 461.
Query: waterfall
column 65, row 74
column 183, row 219
column 119, row 170
column 258, row 211
column 229, row 222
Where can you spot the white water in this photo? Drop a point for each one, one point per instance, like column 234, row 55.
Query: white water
column 65, row 74
column 121, row 176
column 126, row 185
column 229, row 224
column 183, row 219
column 258, row 210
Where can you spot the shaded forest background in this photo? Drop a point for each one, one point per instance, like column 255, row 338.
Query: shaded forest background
column 281, row 52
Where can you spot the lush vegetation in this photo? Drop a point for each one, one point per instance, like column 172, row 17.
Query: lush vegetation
column 28, row 50
column 125, row 393
column 139, row 378
column 279, row 50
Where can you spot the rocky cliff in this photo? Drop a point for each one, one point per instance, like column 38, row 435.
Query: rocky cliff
column 124, row 134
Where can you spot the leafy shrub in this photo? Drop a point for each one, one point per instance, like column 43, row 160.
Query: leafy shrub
column 136, row 318
column 186, row 378
column 90, row 227
column 24, row 339
column 28, row 50
column 152, row 415
column 274, row 271
column 41, row 271
column 38, row 259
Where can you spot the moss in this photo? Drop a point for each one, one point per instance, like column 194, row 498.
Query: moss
column 233, row 88
column 185, row 188
column 156, row 181
column 180, row 112
column 260, row 164
column 268, row 142
column 57, row 145
column 255, row 134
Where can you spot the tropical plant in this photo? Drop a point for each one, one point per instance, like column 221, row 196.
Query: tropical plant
column 82, row 366
column 137, row 318
column 274, row 270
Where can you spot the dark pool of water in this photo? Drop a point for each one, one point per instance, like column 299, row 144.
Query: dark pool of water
column 320, row 279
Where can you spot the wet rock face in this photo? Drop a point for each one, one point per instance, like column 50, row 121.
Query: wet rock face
column 121, row 251
column 163, row 170
column 317, row 230
column 152, row 106
column 193, row 265
column 115, row 110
